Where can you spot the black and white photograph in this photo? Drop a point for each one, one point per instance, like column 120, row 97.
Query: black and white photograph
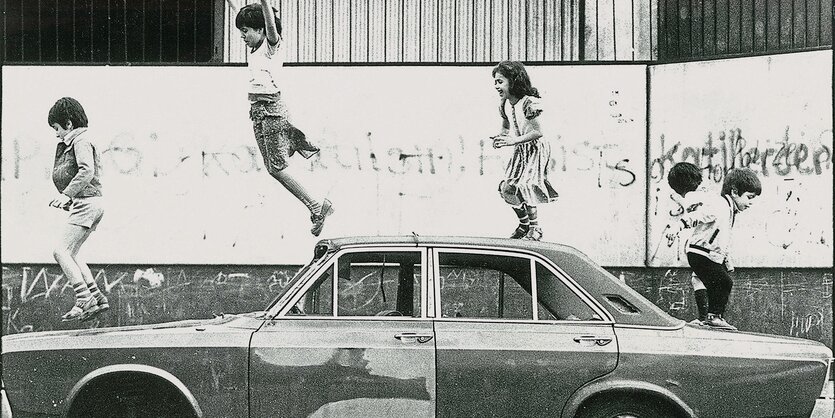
column 417, row 208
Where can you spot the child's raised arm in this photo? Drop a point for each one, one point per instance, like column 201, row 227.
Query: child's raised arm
column 269, row 23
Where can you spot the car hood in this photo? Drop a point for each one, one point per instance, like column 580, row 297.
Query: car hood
column 225, row 323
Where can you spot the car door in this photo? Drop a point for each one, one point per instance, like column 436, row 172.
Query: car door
column 501, row 354
column 355, row 342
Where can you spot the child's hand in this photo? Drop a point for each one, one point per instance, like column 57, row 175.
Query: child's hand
column 61, row 201
column 502, row 141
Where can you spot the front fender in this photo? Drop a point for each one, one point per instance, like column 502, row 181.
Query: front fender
column 608, row 385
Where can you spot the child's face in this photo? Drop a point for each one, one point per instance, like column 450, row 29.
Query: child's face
column 252, row 37
column 61, row 131
column 742, row 201
column 502, row 85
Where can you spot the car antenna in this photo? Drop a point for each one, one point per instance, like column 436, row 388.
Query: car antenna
column 415, row 236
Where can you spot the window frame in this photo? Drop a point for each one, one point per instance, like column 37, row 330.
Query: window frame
column 333, row 263
column 533, row 257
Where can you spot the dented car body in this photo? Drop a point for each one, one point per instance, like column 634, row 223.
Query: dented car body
column 423, row 326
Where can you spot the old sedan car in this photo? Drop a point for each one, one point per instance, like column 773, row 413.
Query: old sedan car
column 423, row 326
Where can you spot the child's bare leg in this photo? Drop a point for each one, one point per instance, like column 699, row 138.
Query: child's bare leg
column 70, row 241
column 318, row 210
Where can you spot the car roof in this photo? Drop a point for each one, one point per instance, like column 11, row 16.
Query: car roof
column 602, row 285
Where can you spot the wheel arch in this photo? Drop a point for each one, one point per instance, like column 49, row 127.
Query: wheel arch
column 613, row 388
column 117, row 369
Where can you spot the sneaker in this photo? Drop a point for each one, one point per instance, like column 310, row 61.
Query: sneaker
column 101, row 306
column 717, row 321
column 77, row 311
column 697, row 322
column 534, row 234
column 318, row 219
column 520, row 231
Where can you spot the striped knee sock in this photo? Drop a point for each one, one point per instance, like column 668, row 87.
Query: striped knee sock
column 81, row 291
column 94, row 290
column 532, row 215
column 522, row 214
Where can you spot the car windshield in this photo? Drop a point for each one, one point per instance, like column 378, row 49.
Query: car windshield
column 295, row 281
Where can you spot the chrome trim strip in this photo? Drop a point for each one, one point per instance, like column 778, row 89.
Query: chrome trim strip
column 653, row 327
column 141, row 368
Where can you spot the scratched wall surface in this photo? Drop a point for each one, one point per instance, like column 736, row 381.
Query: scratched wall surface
column 403, row 149
column 791, row 302
column 771, row 114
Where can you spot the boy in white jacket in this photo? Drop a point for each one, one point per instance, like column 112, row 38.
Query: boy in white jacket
column 708, row 250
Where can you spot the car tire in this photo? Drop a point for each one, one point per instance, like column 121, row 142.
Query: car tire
column 626, row 406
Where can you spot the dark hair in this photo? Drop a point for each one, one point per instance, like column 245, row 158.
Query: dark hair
column 684, row 177
column 743, row 180
column 67, row 109
column 517, row 76
column 252, row 16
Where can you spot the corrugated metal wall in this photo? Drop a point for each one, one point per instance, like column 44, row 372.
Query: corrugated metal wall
column 695, row 29
column 459, row 31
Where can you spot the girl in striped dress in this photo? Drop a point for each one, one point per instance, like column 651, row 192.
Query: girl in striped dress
column 526, row 182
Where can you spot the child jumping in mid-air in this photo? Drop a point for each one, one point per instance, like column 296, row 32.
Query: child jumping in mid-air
column 77, row 176
column 526, row 177
column 708, row 250
column 277, row 138
column 685, row 179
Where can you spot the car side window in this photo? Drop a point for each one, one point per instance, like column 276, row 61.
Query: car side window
column 379, row 283
column 560, row 302
column 492, row 286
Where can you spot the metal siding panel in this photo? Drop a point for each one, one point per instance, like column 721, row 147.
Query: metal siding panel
column 500, row 27
column 464, row 30
column 377, row 30
column 481, row 31
column 772, row 25
column 411, row 30
column 394, row 31
column 289, row 12
column 747, row 32
column 826, row 22
column 606, row 30
column 590, row 31
column 799, row 24
column 552, row 27
column 653, row 19
column 721, row 26
column 446, row 30
column 359, row 30
column 786, row 21
column 710, row 41
column 429, row 30
column 624, row 42
column 342, row 30
column 516, row 30
column 307, row 31
column 643, row 30
column 813, row 22
column 685, row 29
column 697, row 33
column 324, row 30
column 759, row 25
column 534, row 49
column 734, row 26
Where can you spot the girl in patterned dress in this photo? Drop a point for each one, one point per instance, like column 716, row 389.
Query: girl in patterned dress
column 277, row 138
column 526, row 177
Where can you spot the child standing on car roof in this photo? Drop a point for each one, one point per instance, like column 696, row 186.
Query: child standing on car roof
column 526, row 182
column 708, row 250
column 277, row 138
column 77, row 176
column 685, row 179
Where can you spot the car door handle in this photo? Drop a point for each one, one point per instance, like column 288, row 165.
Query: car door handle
column 601, row 341
column 413, row 336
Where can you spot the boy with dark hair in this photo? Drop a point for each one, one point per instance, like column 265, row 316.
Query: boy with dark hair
column 685, row 179
column 708, row 249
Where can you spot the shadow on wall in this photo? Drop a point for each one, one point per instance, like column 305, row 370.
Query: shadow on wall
column 791, row 302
